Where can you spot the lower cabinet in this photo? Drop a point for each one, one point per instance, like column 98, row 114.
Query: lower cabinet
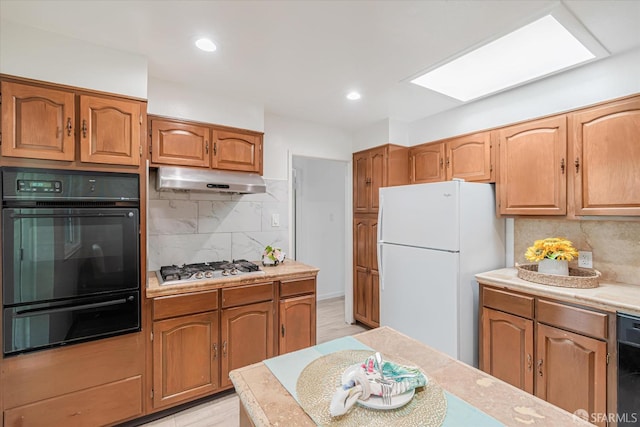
column 185, row 356
column 247, row 336
column 558, row 352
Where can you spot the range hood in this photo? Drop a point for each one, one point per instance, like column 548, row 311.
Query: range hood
column 177, row 178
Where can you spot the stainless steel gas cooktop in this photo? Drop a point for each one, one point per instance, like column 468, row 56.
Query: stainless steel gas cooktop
column 173, row 274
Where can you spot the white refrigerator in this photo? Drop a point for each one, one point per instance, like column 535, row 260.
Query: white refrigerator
column 432, row 240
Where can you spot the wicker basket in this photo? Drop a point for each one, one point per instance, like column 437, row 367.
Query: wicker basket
column 583, row 278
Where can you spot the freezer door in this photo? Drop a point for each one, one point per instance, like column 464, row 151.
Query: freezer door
column 421, row 215
column 419, row 295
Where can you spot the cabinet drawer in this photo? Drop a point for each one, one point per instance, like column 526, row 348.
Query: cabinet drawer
column 297, row 287
column 520, row 305
column 179, row 305
column 96, row 406
column 247, row 294
column 572, row 318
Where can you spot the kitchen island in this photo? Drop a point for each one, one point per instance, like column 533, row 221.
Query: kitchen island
column 264, row 401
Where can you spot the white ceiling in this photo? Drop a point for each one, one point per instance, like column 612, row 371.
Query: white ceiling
column 300, row 58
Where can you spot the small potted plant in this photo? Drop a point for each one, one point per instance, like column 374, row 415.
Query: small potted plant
column 272, row 256
column 552, row 255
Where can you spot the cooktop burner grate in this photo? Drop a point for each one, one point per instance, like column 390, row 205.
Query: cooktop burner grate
column 206, row 270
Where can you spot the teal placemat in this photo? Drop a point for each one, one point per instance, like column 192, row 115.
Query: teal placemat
column 287, row 369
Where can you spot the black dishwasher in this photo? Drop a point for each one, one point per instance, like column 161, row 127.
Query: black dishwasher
column 628, row 370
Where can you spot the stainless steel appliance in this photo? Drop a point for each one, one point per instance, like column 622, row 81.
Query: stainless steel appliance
column 172, row 274
column 628, row 370
column 70, row 257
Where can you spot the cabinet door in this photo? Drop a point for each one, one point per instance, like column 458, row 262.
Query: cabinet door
column 377, row 177
column 606, row 159
column 361, row 259
column 297, row 323
column 247, row 336
column 176, row 143
column 426, row 163
column 571, row 370
column 532, row 176
column 37, row 123
column 361, row 182
column 110, row 131
column 185, row 358
column 469, row 157
column 374, row 317
column 237, row 151
column 507, row 348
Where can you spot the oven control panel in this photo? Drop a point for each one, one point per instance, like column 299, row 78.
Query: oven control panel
column 33, row 186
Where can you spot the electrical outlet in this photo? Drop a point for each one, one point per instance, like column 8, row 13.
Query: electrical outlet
column 275, row 220
column 585, row 259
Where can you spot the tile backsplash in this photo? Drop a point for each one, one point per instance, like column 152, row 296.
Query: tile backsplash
column 187, row 227
column 615, row 244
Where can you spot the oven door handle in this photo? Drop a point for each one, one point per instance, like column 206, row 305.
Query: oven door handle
column 41, row 311
column 80, row 215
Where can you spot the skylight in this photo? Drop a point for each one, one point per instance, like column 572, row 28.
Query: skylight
column 538, row 49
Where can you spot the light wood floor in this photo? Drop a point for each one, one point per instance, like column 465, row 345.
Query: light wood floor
column 223, row 411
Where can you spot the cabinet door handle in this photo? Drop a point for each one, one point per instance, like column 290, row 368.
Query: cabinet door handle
column 206, row 147
column 562, row 166
column 224, row 349
column 448, row 161
column 441, row 162
column 282, row 329
column 577, row 163
column 529, row 362
column 84, row 128
column 540, row 367
column 215, row 351
column 215, row 148
column 69, row 128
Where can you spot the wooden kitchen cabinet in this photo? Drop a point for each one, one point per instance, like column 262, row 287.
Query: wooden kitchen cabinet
column 605, row 158
column 40, row 123
column 374, row 168
column 185, row 358
column 470, row 157
column 179, row 143
column 366, row 297
column 187, row 143
column 110, row 131
column 533, row 168
column 37, row 122
column 558, row 352
column 426, row 163
column 297, row 314
column 507, row 348
column 247, row 327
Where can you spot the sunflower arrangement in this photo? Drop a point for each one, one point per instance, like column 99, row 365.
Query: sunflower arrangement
column 552, row 248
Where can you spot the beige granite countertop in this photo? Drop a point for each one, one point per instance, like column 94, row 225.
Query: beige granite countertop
column 608, row 296
column 268, row 403
column 289, row 269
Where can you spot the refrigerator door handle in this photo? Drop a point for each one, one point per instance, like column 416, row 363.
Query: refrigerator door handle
column 379, row 240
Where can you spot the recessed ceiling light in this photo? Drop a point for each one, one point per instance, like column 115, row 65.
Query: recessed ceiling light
column 538, row 49
column 353, row 96
column 206, row 45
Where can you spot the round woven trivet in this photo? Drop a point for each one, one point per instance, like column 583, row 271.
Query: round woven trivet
column 319, row 380
column 583, row 278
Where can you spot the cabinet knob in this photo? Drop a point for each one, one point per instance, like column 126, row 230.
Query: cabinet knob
column 282, row 329
column 577, row 163
column 206, row 147
column 215, row 351
column 69, row 128
column 562, row 166
column 224, row 349
column 84, row 128
column 540, row 367
column 529, row 362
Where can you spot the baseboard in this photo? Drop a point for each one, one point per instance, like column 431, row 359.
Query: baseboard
column 322, row 297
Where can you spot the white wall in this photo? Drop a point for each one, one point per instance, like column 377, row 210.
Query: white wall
column 173, row 100
column 284, row 136
column 609, row 78
column 40, row 55
column 320, row 221
column 371, row 136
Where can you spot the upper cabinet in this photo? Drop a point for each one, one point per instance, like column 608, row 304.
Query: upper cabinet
column 426, row 163
column 37, row 123
column 468, row 157
column 533, row 168
column 605, row 158
column 374, row 168
column 178, row 142
column 43, row 123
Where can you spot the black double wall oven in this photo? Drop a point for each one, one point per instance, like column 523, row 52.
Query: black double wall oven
column 70, row 257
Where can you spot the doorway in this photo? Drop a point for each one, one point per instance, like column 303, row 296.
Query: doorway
column 321, row 236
